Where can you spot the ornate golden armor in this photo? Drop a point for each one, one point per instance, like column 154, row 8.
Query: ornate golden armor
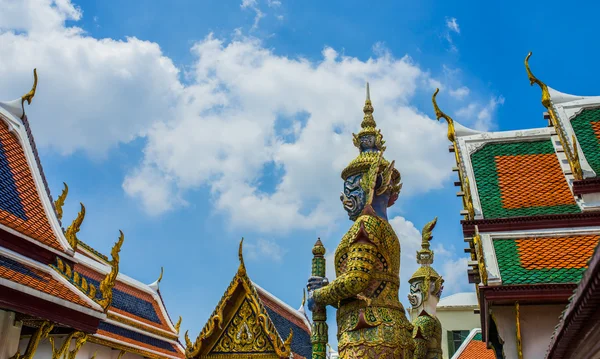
column 371, row 320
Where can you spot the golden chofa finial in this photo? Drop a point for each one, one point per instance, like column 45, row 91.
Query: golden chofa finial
column 108, row 283
column 241, row 256
column 178, row 325
column 534, row 80
column 60, row 201
column 29, row 96
column 71, row 232
column 439, row 114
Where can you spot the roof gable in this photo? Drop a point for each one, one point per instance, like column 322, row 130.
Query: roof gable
column 521, row 178
column 544, row 259
column 247, row 318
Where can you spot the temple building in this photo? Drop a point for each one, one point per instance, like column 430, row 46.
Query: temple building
column 532, row 222
column 58, row 296
column 249, row 322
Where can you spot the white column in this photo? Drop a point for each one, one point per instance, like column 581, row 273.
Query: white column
column 10, row 333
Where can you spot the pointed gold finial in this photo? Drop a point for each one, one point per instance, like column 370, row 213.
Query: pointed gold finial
column 71, row 232
column 29, row 96
column 439, row 114
column 107, row 284
column 178, row 325
column 241, row 256
column 534, row 80
column 162, row 270
column 368, row 120
column 60, row 201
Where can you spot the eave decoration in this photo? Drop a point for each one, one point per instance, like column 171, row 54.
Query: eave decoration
column 107, row 284
column 239, row 324
column 464, row 181
column 88, row 289
column 29, row 96
column 71, row 232
column 570, row 152
column 60, row 201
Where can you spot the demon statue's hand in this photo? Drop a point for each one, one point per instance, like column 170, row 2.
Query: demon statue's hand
column 314, row 283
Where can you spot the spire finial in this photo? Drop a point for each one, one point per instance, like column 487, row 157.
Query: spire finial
column 368, row 120
column 241, row 256
column 29, row 96
column 534, row 80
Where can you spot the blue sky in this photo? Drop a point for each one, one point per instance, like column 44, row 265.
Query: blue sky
column 189, row 124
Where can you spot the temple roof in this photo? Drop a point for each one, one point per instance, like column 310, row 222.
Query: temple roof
column 474, row 348
column 68, row 272
column 25, row 204
column 271, row 327
column 25, row 275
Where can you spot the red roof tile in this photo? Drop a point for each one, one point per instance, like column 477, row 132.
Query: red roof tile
column 34, row 223
column 39, row 280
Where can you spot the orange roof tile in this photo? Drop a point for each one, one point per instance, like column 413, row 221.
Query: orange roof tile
column 34, row 223
column 556, row 252
column 532, row 181
column 477, row 349
column 34, row 278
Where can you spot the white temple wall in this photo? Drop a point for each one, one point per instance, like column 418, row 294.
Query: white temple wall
column 87, row 351
column 10, row 333
column 456, row 319
column 537, row 327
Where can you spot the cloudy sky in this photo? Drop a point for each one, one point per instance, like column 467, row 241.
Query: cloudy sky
column 191, row 123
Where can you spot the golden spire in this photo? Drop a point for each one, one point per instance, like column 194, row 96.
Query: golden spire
column 439, row 114
column 107, row 284
column 60, row 201
column 534, row 80
column 71, row 232
column 368, row 120
column 425, row 258
column 29, row 96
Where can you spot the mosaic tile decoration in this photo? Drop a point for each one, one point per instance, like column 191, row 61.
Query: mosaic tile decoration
column 136, row 338
column 128, row 301
column 33, row 278
column 521, row 179
column 20, row 206
column 587, row 130
column 543, row 260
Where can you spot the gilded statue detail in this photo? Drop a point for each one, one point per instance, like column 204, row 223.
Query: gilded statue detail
column 371, row 320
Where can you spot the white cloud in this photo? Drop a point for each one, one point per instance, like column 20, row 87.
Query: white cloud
column 460, row 93
column 242, row 91
column 92, row 94
column 234, row 118
column 452, row 25
column 264, row 249
column 480, row 115
column 274, row 3
column 259, row 14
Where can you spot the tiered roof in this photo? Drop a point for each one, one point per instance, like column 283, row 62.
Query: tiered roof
column 47, row 272
column 530, row 201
